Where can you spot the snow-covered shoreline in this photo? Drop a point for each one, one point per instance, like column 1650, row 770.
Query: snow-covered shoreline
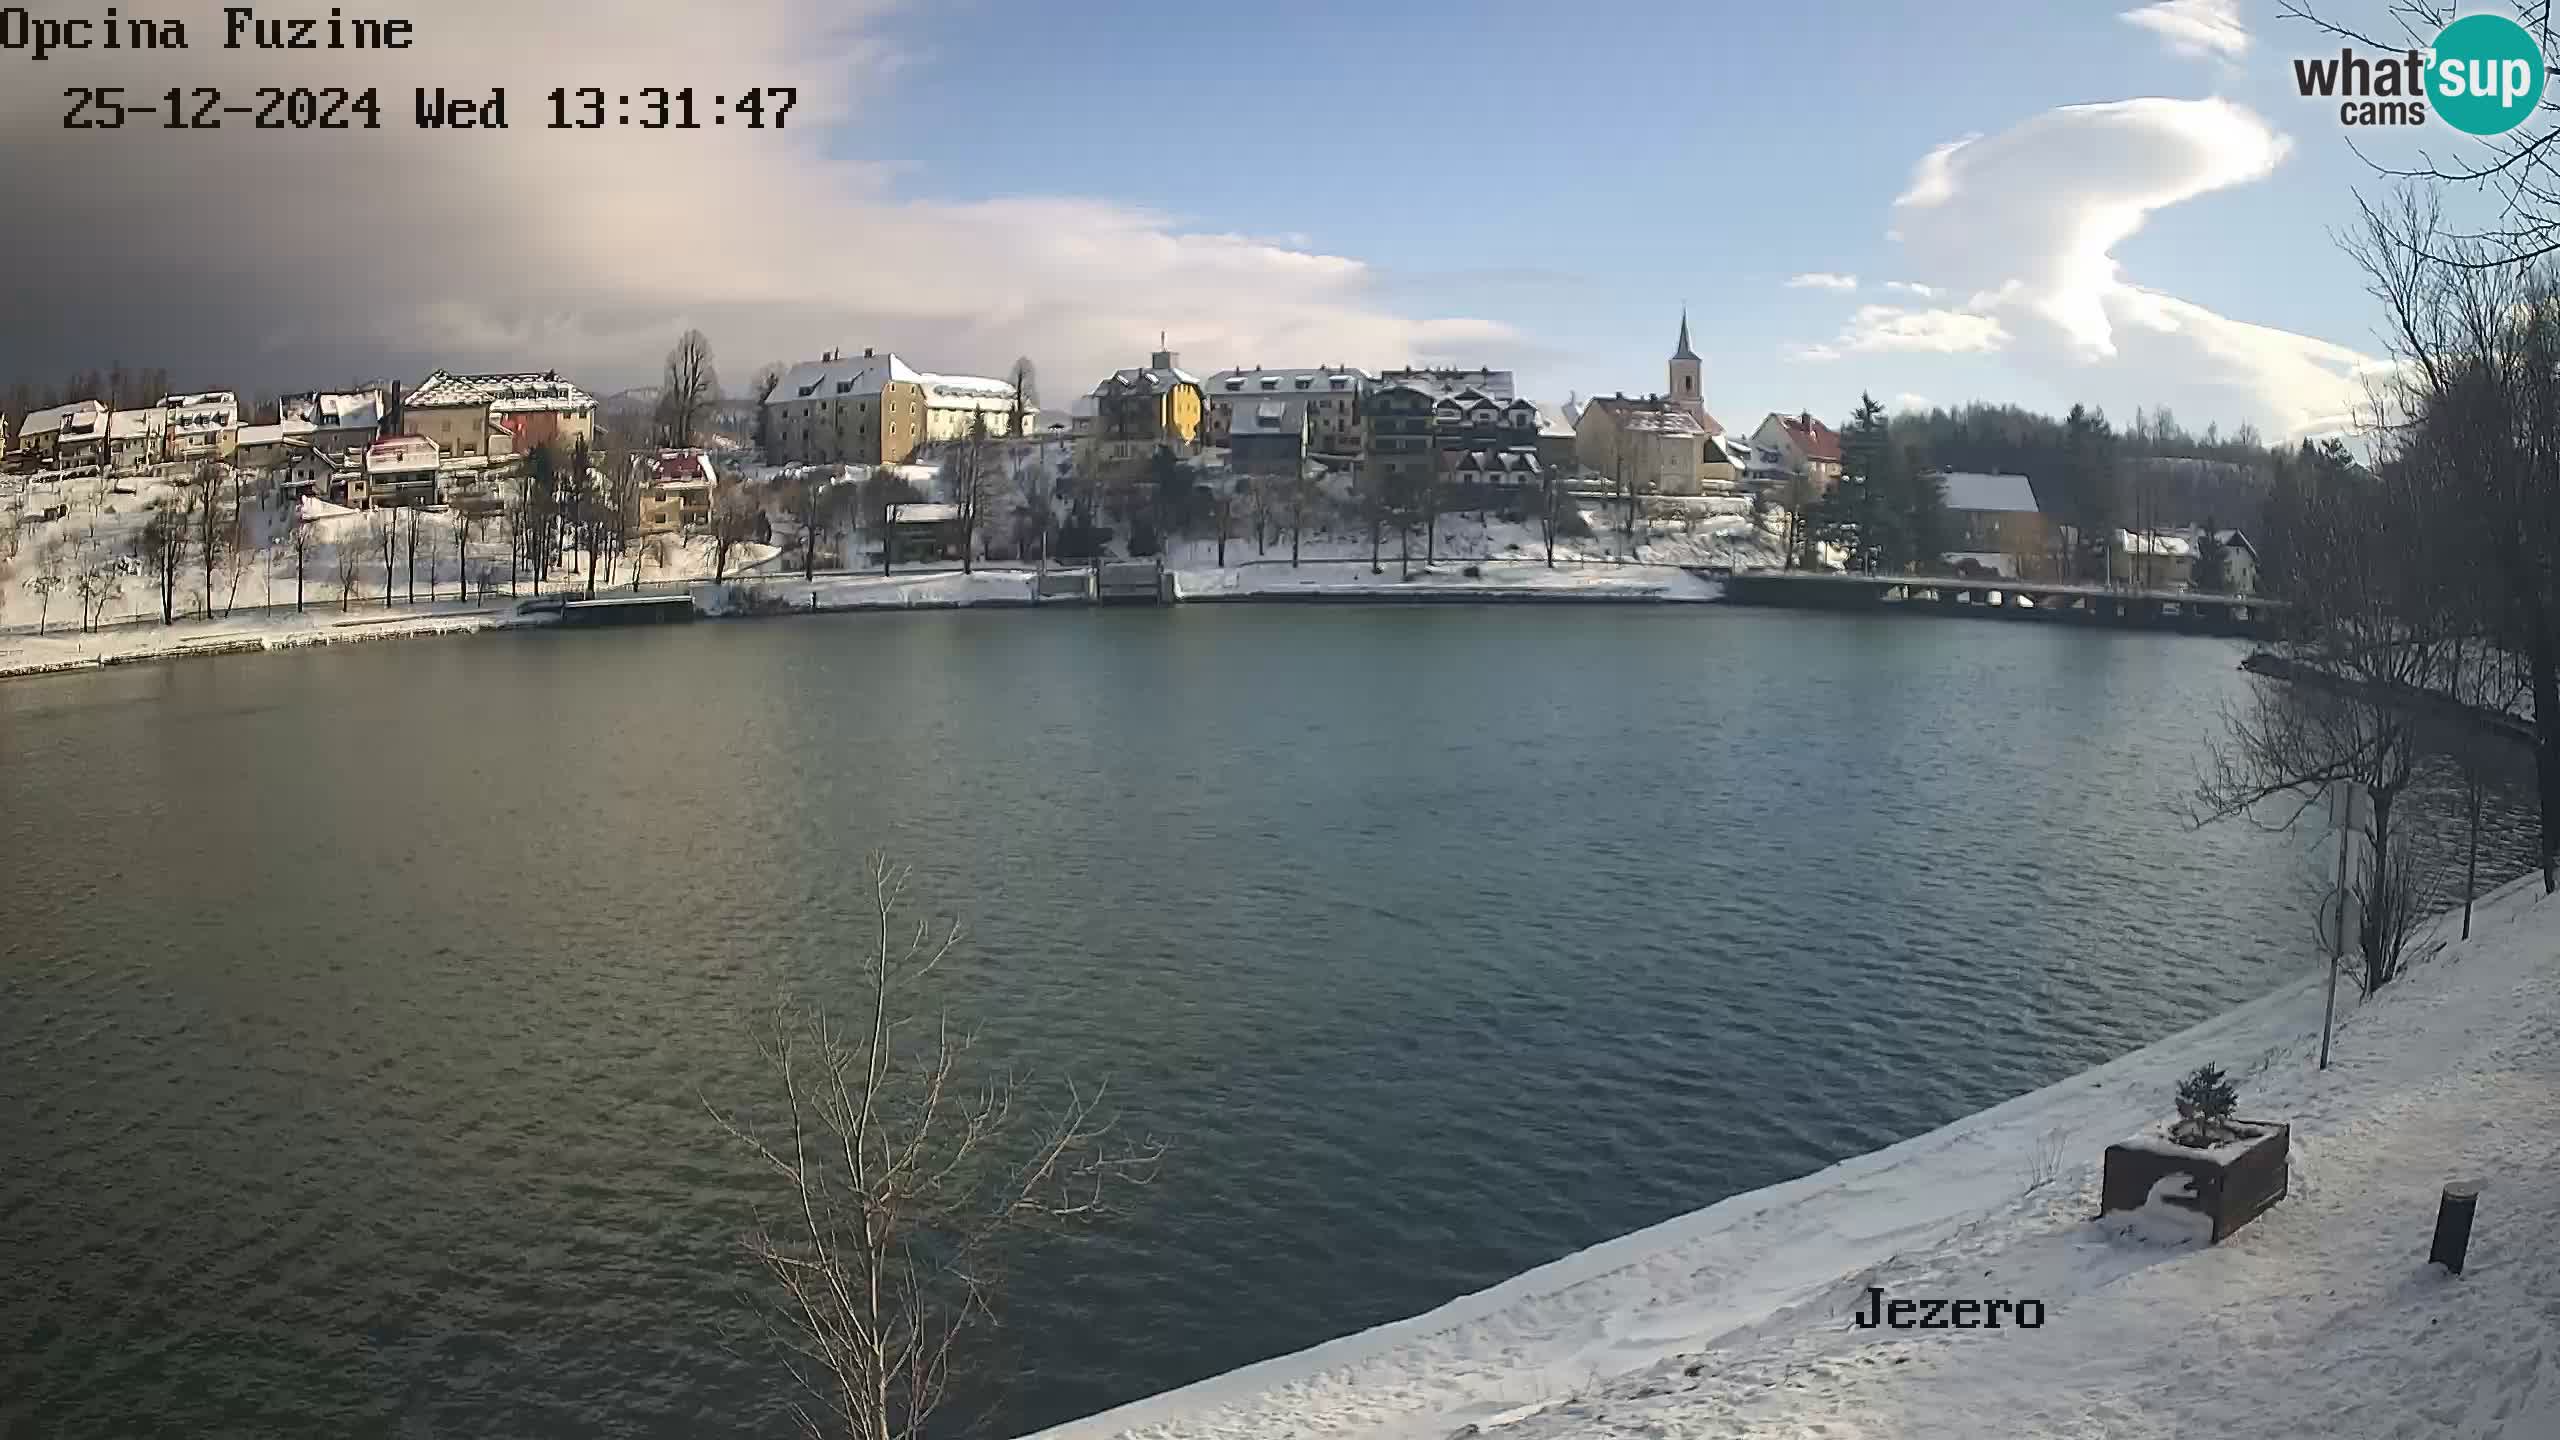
column 66, row 648
column 1732, row 1320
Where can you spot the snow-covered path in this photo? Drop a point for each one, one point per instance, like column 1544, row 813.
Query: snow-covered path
column 2321, row 1318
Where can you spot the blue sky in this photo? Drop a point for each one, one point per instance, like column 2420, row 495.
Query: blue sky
column 1723, row 149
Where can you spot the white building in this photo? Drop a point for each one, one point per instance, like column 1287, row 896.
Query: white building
column 202, row 427
column 876, row 409
column 46, row 432
column 137, row 439
column 1331, row 394
column 399, row 471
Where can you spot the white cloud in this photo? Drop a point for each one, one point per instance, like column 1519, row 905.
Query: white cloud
column 1908, row 401
column 2196, row 28
column 2025, row 224
column 1913, row 287
column 1822, row 280
column 591, row 250
column 1878, row 329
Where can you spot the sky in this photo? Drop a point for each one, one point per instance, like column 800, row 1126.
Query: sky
column 2126, row 205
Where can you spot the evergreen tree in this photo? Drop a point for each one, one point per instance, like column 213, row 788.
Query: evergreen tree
column 1926, row 530
column 2212, row 568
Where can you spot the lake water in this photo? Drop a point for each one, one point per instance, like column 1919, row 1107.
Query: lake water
column 354, row 1004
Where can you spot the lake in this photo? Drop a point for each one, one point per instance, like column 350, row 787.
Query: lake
column 357, row 1006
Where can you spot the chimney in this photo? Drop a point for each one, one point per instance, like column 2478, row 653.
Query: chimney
column 866, row 352
column 1163, row 360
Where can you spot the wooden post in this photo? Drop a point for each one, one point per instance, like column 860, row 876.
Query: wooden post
column 2453, row 1227
column 2338, row 944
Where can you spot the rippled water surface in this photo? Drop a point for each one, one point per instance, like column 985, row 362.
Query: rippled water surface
column 354, row 1006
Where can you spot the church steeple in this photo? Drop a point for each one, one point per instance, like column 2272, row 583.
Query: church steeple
column 1687, row 373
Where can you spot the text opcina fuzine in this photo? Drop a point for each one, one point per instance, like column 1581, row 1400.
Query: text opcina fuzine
column 243, row 27
column 1943, row 1313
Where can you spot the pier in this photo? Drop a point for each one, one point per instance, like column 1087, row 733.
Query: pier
column 1995, row 597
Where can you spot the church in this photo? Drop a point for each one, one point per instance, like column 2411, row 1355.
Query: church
column 1666, row 442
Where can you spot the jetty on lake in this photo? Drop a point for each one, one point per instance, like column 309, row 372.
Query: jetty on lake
column 1999, row 597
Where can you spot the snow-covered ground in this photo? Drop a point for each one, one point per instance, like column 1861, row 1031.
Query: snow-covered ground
column 68, row 648
column 2321, row 1318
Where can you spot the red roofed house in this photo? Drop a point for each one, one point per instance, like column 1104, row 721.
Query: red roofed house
column 1806, row 445
column 676, row 491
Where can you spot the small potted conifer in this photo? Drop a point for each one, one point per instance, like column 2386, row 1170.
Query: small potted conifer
column 2232, row 1170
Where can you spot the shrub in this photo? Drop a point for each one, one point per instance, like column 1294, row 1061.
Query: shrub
column 2206, row 1099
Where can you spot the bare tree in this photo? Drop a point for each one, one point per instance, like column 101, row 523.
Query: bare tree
column 733, row 523
column 911, row 1171
column 349, row 564
column 691, row 390
column 297, row 534
column 210, row 529
column 2476, row 414
column 47, row 579
column 766, row 381
column 2366, row 647
column 1025, row 379
column 383, row 528
column 968, row 478
column 163, row 543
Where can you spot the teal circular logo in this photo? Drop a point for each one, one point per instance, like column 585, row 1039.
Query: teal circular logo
column 2485, row 76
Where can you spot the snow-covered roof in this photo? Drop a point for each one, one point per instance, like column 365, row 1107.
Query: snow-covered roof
column 1647, row 415
column 2001, row 494
column 1151, row 380
column 1323, row 379
column 2175, row 547
column 681, row 470
column 137, row 424
column 356, row 410
column 252, row 436
column 213, row 410
column 1520, row 462
column 401, row 454
column 842, row 375
column 1553, row 423
column 923, row 512
column 503, row 394
column 1445, row 384
column 79, row 415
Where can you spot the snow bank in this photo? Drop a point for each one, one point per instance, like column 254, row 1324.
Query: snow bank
column 66, row 648
column 928, row 591
column 2318, row 1319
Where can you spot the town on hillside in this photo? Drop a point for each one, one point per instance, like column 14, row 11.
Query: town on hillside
column 122, row 501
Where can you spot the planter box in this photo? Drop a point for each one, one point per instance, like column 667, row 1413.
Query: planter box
column 2230, row 1184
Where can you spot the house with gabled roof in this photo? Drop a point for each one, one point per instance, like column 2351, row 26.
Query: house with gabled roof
column 501, row 414
column 1328, row 395
column 1804, row 445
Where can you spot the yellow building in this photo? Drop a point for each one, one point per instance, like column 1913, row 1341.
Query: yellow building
column 482, row 415
column 1158, row 404
column 875, row 409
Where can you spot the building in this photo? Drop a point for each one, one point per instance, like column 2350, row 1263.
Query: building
column 334, row 424
column 1688, row 379
column 924, row 530
column 1157, row 404
column 77, row 426
column 2150, row 560
column 1656, row 443
column 486, row 415
column 1331, row 396
column 305, row 471
column 875, row 409
column 398, row 472
column 2239, row 563
column 677, row 489
column 1448, row 423
column 137, row 439
column 1266, row 436
column 1993, row 522
column 1803, row 446
column 202, row 427
column 1559, row 448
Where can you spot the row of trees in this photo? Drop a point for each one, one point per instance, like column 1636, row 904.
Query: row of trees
column 2425, row 587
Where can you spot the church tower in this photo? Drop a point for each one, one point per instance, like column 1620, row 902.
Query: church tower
column 1687, row 390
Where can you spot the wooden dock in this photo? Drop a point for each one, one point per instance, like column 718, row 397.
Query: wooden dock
column 628, row 610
